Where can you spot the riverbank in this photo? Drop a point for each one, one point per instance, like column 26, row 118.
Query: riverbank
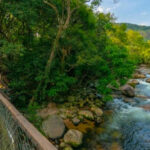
column 87, row 126
column 69, row 127
column 126, row 124
column 66, row 126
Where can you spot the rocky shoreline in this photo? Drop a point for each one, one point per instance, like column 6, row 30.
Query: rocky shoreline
column 66, row 126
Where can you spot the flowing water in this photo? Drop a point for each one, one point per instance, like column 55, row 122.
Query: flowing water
column 127, row 123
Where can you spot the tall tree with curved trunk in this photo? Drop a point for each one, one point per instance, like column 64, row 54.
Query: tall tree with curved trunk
column 63, row 19
column 63, row 23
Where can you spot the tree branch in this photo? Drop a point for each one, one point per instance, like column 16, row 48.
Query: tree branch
column 68, row 14
column 53, row 7
column 74, row 9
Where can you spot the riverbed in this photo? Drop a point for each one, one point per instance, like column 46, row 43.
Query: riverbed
column 126, row 123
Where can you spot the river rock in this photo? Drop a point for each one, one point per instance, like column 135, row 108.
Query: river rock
column 76, row 121
column 73, row 137
column 146, row 107
column 51, row 109
column 138, row 71
column 139, row 76
column 128, row 100
column 53, row 127
column 143, row 66
column 115, row 146
column 86, row 114
column 133, row 82
column 99, row 96
column 98, row 120
column 62, row 144
column 97, row 111
column 142, row 97
column 68, row 148
column 128, row 90
column 148, row 80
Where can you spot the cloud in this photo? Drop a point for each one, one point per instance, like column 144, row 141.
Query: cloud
column 144, row 24
column 100, row 9
column 104, row 10
column 108, row 9
column 132, row 11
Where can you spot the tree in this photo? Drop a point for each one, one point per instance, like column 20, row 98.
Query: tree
column 52, row 49
column 63, row 17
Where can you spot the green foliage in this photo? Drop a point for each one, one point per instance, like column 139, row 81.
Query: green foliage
column 146, row 56
column 60, row 84
column 89, row 48
column 31, row 113
column 9, row 52
column 138, row 47
column 116, row 63
column 144, row 30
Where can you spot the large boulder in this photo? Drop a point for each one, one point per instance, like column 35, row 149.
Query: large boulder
column 53, row 127
column 97, row 111
column 148, row 80
column 133, row 82
column 139, row 76
column 146, row 107
column 128, row 90
column 51, row 109
column 73, row 137
column 86, row 114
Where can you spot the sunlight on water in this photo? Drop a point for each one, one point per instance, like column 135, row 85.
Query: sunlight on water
column 129, row 124
column 143, row 88
column 133, row 121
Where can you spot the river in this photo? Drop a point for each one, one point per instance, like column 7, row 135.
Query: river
column 127, row 122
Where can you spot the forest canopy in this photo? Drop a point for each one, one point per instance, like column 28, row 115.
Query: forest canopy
column 51, row 49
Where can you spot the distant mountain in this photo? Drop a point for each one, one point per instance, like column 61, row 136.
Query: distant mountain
column 137, row 27
column 144, row 30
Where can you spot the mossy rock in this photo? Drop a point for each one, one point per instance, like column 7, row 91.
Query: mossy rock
column 86, row 114
column 73, row 137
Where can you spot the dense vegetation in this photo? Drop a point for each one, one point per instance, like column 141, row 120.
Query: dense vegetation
column 52, row 49
column 144, row 30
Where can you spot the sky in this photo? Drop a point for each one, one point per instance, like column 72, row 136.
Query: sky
column 130, row 11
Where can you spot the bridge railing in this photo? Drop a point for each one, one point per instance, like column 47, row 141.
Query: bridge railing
column 16, row 133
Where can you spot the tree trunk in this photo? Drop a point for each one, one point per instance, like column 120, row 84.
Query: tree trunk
column 63, row 24
column 43, row 83
column 53, row 50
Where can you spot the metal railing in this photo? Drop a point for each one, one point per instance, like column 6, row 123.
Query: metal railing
column 16, row 133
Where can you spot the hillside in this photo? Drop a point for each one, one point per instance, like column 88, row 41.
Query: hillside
column 144, row 30
column 137, row 27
